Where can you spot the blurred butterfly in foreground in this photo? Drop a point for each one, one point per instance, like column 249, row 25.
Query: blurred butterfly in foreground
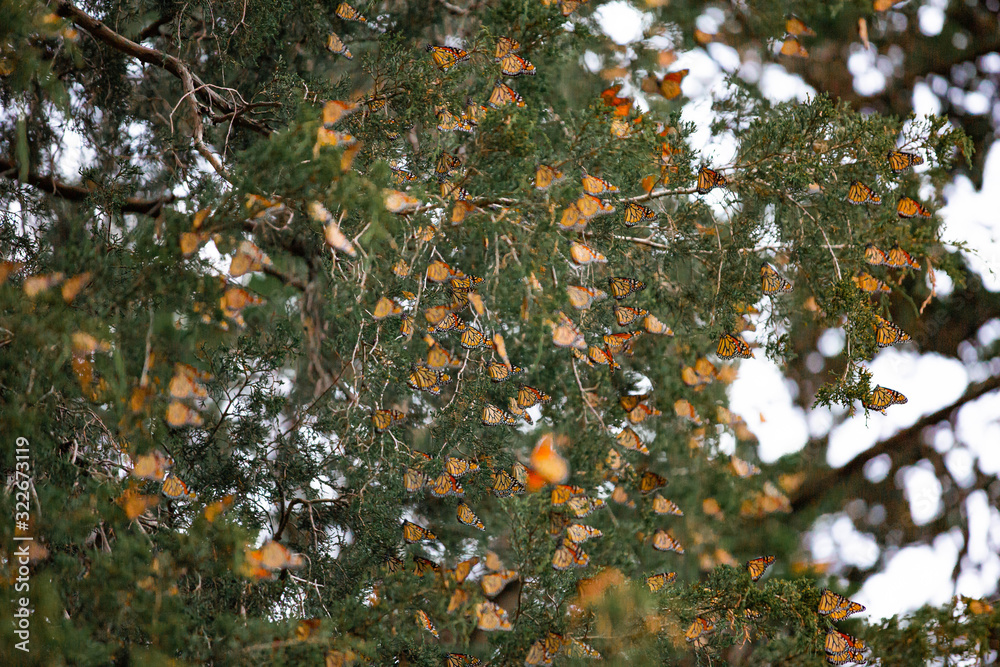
column 837, row 607
column 758, row 566
column 771, row 282
column 447, row 57
column 730, row 346
column 491, row 617
column 584, row 254
column 901, row 160
column 859, row 193
column 882, row 397
column 792, row 47
column 709, row 179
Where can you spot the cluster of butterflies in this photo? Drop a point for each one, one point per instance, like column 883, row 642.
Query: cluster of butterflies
column 699, row 630
column 511, row 64
column 840, row 648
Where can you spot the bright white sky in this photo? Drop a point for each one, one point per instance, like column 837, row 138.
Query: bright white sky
column 930, row 381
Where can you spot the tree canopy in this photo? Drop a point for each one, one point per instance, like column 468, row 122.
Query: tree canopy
column 401, row 333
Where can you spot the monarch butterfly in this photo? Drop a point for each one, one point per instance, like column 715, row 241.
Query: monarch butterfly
column 570, row 6
column 383, row 419
column 450, row 322
column 622, row 287
column 424, row 379
column 859, row 193
column 582, row 506
column 670, row 85
column 875, row 256
column 447, row 57
column 569, row 554
column 581, row 297
column 401, row 268
column 792, row 47
column 517, row 410
column 174, row 487
column 650, row 482
column 474, row 113
column 837, row 607
column 445, row 485
column 505, row 486
column 425, row 620
column 495, row 582
column 503, row 94
column 583, row 254
column 414, row 480
column 546, row 176
column 758, row 566
column 629, row 439
column 708, row 179
column 529, row 396
column 572, row 220
column 491, row 617
column 795, row 26
column 422, row 566
column 620, row 342
column 505, row 45
column 499, row 372
column 698, row 630
column 446, row 164
column 882, row 397
column 663, row 541
column 658, row 581
column 473, row 338
column 464, row 568
column 602, row 357
column 593, row 185
column 457, row 467
column 867, row 283
column 557, row 523
column 449, row 122
column 461, row 660
column 577, row 532
column 439, row 272
column 625, row 315
column 730, row 346
column 413, row 533
column 336, row 45
column 449, row 189
column 621, row 497
column 563, row 492
column 636, row 213
column 438, row 357
column 837, row 642
column 514, row 65
column 771, row 282
column 386, row 307
column 537, row 655
column 494, row 416
column 663, row 506
column 887, row 333
column 847, row 656
column 394, row 563
column 566, row 334
column 898, row 258
column 577, row 649
column 345, row 11
column 655, row 326
column 743, row 468
column 900, row 160
column 590, row 206
column 630, row 401
column 639, row 413
column 908, row 208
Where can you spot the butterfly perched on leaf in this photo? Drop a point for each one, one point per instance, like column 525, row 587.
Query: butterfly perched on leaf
column 637, row 213
column 593, row 185
column 462, row 660
column 859, row 193
column 842, row 648
column 425, row 621
column 447, row 57
column 620, row 342
column 414, row 479
column 504, row 484
column 664, row 541
column 731, row 346
column 874, row 255
column 494, row 416
column 491, row 617
column 562, row 493
column 569, row 555
column 836, row 606
column 658, row 581
column 623, row 286
column 384, row 419
column 494, row 582
column 499, row 372
column 582, row 297
column 709, row 179
column 697, row 631
column 514, row 65
column 882, row 397
column 449, row 122
column 445, row 485
column 898, row 258
column 503, row 94
column 577, row 532
column 901, row 160
column 529, row 396
column 413, row 533
column 581, row 506
column 174, row 487
column 909, row 208
column 584, row 254
column 345, row 11
column 546, row 176
column 887, row 333
column 650, row 481
column 870, row 284
column 771, row 282
column 472, row 338
column 427, row 379
column 654, row 326
column 505, row 46
column 590, row 206
column 629, row 439
column 663, row 506
column 758, row 566
column 336, row 45
column 625, row 315
column 602, row 356
column 446, row 164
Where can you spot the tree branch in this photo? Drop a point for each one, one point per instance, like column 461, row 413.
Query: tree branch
column 51, row 186
column 905, row 445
